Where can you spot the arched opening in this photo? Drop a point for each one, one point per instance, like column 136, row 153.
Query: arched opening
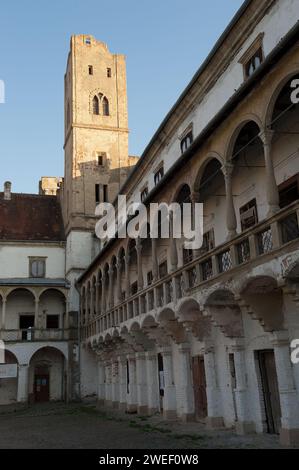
column 132, row 253
column 95, row 105
column 9, row 379
column 47, row 376
column 210, row 187
column 283, row 119
column 52, row 313
column 184, row 197
column 248, row 179
column 105, row 106
column 20, row 316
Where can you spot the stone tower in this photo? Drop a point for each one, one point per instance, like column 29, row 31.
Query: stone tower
column 96, row 144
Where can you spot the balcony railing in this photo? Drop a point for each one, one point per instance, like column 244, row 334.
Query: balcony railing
column 259, row 241
column 32, row 334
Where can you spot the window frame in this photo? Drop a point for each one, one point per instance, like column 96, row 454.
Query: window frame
column 37, row 259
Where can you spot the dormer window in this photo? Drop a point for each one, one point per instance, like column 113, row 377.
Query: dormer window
column 158, row 175
column 253, row 57
column 254, row 63
column 144, row 194
column 186, row 141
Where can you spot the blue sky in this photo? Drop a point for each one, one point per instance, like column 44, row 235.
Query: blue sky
column 165, row 42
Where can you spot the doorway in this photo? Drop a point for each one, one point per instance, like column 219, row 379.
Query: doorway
column 41, row 388
column 199, row 386
column 267, row 366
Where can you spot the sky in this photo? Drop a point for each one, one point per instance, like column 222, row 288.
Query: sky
column 165, row 42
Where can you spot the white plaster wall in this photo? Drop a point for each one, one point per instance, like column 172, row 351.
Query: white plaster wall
column 89, row 373
column 14, row 259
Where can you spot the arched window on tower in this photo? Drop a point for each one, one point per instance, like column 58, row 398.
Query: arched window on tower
column 105, row 104
column 95, row 105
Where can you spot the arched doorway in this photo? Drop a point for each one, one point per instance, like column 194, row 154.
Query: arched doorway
column 47, row 376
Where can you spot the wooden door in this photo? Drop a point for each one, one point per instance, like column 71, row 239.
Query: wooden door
column 270, row 390
column 199, row 386
column 41, row 388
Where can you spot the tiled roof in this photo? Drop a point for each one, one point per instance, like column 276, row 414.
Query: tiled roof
column 28, row 217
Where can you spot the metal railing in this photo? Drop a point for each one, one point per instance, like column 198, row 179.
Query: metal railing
column 32, row 334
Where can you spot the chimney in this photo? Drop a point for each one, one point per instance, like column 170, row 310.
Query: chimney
column 7, row 191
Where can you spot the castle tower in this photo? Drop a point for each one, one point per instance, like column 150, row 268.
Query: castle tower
column 96, row 143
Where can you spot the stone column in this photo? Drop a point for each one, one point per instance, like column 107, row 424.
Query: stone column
column 37, row 324
column 152, row 382
column 169, row 399
column 97, row 287
column 108, row 399
column 289, row 433
column 173, row 246
column 3, row 316
column 101, row 383
column 91, row 313
column 122, row 374
column 115, row 384
column 132, row 395
column 195, row 199
column 118, row 280
column 271, row 187
column 142, row 404
column 110, row 289
column 127, row 271
column 185, row 393
column 214, row 418
column 155, row 267
column 231, row 221
column 103, row 306
column 243, row 424
column 23, row 383
column 139, row 263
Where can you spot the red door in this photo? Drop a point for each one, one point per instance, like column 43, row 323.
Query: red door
column 199, row 385
column 41, row 388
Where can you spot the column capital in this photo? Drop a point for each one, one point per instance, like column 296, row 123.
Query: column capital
column 266, row 136
column 227, row 169
column 280, row 338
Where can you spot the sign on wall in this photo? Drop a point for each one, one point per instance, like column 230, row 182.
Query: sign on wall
column 8, row 371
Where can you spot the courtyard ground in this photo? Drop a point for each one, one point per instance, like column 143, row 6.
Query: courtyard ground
column 59, row 426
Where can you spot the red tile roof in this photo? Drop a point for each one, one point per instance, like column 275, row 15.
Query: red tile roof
column 31, row 217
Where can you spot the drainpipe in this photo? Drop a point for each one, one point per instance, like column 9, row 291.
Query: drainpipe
column 79, row 341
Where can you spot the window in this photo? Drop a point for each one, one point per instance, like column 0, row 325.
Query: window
column 105, row 105
column 163, row 269
column 37, row 267
column 90, row 70
column 248, row 215
column 144, row 194
column 187, row 255
column 105, row 192
column 253, row 57
column 158, row 175
column 149, row 278
column 97, row 193
column 88, row 41
column 134, row 288
column 109, row 72
column 253, row 64
column 208, row 241
column 186, row 141
column 95, row 105
column 101, row 159
column 52, row 322
column 289, row 191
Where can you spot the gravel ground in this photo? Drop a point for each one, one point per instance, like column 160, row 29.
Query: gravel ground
column 57, row 426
